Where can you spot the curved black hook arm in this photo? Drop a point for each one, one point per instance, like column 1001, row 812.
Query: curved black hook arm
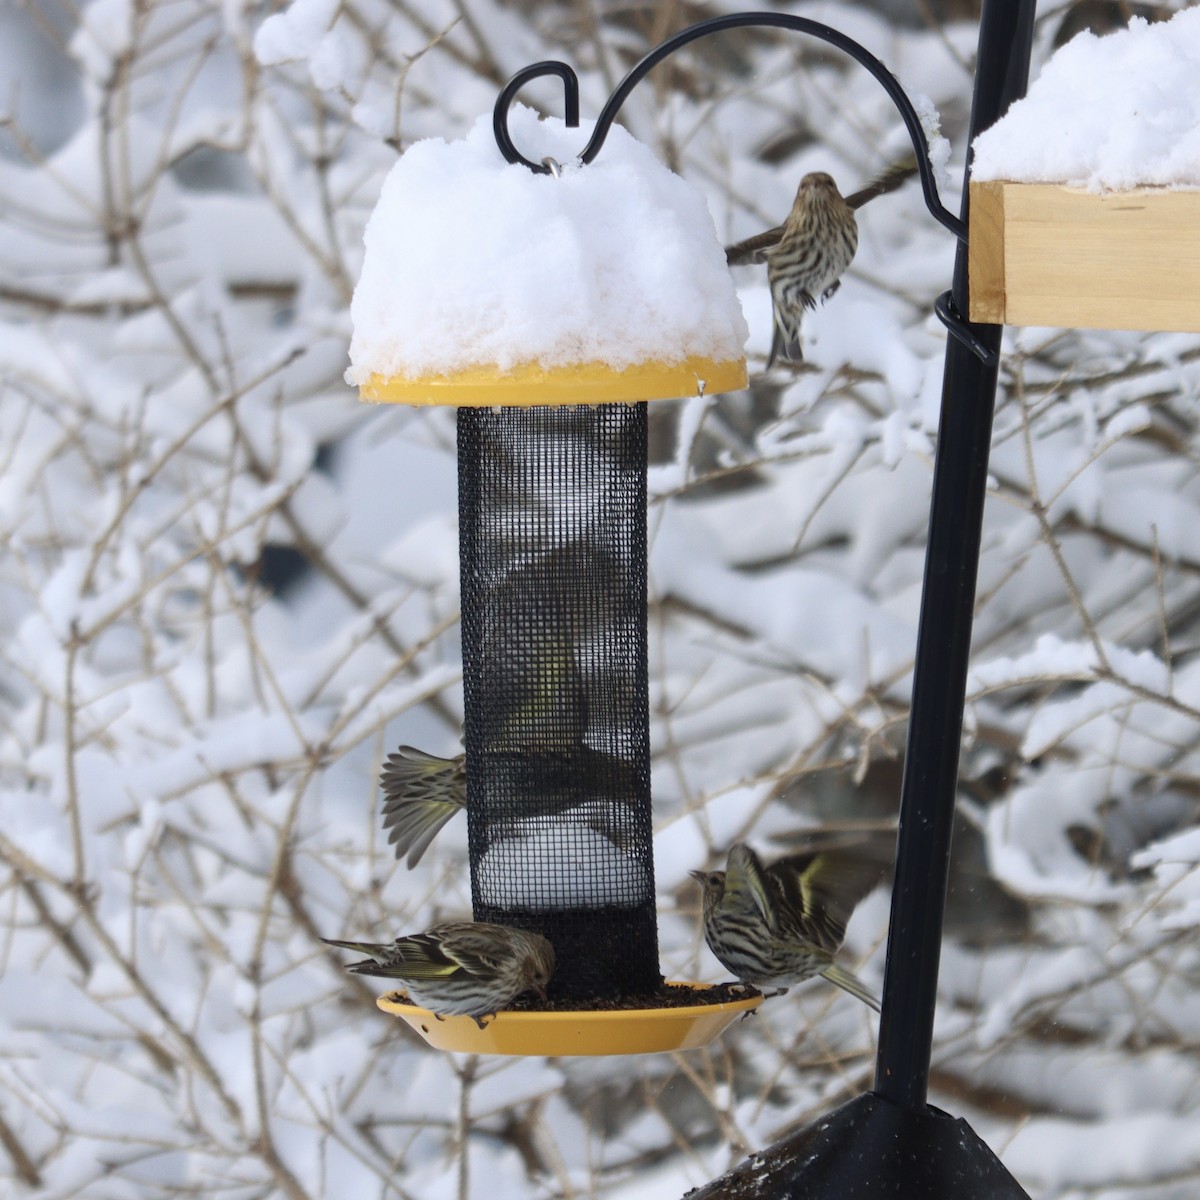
column 513, row 86
column 702, row 29
column 953, row 321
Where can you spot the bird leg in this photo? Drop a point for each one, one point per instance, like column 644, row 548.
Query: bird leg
column 483, row 1021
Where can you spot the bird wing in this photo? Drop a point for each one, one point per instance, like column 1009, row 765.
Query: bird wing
column 821, row 890
column 413, row 828
column 753, row 249
column 416, row 804
column 411, row 774
column 888, row 180
column 746, row 884
column 436, row 954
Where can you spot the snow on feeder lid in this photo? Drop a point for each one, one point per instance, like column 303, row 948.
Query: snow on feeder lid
column 1085, row 196
column 484, row 283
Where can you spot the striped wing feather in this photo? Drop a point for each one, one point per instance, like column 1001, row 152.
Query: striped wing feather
column 822, row 890
column 445, row 952
column 746, row 884
column 421, row 792
column 755, row 249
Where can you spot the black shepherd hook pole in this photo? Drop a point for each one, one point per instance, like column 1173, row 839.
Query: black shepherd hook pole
column 944, row 629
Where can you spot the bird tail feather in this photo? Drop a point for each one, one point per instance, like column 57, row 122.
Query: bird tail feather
column 851, row 983
column 784, row 348
column 371, row 948
column 414, row 824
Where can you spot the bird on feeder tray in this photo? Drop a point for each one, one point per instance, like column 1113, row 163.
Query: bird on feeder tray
column 774, row 926
column 807, row 255
column 460, row 968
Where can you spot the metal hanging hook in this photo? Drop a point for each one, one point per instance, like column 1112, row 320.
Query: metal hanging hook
column 500, row 113
column 949, row 316
column 702, row 29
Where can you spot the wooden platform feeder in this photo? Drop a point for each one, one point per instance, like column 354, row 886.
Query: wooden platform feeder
column 1046, row 254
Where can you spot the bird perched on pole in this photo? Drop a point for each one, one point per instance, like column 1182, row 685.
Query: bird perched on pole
column 460, row 968
column 774, row 926
column 807, row 255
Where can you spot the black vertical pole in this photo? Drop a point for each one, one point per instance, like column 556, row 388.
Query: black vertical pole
column 944, row 631
column 890, row 1143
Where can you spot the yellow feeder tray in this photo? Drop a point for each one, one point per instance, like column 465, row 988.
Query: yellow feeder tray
column 530, row 384
column 554, row 1034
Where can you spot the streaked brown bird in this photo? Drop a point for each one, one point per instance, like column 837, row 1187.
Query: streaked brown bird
column 777, row 925
column 807, row 255
column 460, row 968
column 421, row 792
column 546, row 716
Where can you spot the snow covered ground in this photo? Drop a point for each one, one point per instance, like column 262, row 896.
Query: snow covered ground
column 189, row 737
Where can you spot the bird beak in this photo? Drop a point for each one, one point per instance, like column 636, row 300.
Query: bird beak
column 699, row 876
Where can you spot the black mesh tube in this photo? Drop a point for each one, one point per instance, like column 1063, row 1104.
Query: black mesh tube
column 552, row 522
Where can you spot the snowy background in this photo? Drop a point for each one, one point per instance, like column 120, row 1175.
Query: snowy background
column 228, row 588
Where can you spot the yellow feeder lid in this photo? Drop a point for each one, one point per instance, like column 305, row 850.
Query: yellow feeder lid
column 476, row 272
column 585, row 383
column 555, row 1034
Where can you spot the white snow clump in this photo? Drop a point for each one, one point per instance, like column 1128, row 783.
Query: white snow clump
column 473, row 262
column 1107, row 113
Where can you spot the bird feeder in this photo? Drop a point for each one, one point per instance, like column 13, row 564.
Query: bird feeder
column 1122, row 252
column 548, row 305
column 1048, row 254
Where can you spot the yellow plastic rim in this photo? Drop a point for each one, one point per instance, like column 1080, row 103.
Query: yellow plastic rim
column 586, row 383
column 555, row 1034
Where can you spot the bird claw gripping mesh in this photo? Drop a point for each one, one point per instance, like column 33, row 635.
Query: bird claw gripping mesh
column 552, row 524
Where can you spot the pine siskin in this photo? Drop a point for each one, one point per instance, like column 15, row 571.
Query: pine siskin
column 807, row 255
column 460, row 968
column 421, row 792
column 754, row 249
column 819, row 239
column 775, row 926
